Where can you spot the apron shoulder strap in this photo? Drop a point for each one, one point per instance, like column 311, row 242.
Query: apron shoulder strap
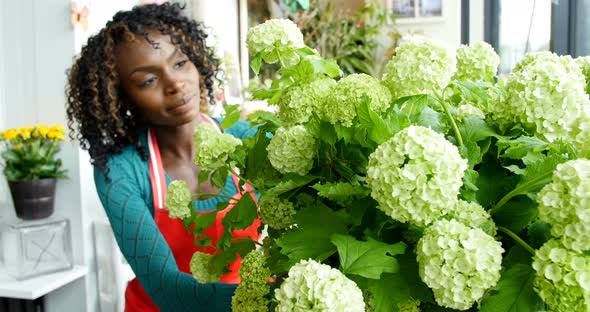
column 157, row 178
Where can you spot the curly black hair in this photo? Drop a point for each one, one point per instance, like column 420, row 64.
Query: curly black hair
column 98, row 114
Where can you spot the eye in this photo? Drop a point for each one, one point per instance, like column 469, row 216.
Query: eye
column 148, row 82
column 180, row 63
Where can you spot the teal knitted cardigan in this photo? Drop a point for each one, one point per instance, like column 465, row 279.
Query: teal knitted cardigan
column 127, row 200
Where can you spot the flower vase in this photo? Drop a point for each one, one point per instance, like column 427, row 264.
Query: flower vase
column 33, row 199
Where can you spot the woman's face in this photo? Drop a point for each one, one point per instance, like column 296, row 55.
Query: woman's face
column 162, row 83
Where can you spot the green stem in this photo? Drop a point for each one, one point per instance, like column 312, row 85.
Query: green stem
column 517, row 239
column 241, row 178
column 503, row 201
column 199, row 195
column 453, row 122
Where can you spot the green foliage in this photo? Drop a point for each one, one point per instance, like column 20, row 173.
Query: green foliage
column 420, row 202
column 368, row 259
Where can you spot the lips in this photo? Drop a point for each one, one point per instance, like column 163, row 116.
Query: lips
column 183, row 105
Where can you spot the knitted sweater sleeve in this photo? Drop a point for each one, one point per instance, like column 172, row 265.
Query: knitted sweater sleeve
column 144, row 246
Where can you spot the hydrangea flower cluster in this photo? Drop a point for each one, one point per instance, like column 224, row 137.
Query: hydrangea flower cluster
column 465, row 110
column 409, row 306
column 348, row 94
column 178, row 199
column 582, row 138
column 545, row 94
column 477, row 61
column 277, row 213
column 312, row 286
column 563, row 277
column 254, row 286
column 199, row 267
column 213, row 148
column 458, row 263
column 298, row 103
column 419, row 66
column 565, row 204
column 584, row 63
column 292, row 150
column 274, row 39
column 474, row 215
column 415, row 176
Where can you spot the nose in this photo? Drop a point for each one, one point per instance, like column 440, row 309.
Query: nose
column 174, row 86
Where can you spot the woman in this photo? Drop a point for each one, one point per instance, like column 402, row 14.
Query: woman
column 135, row 97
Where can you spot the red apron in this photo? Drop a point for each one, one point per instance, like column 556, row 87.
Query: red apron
column 180, row 241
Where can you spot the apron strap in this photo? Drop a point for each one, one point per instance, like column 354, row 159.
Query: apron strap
column 157, row 178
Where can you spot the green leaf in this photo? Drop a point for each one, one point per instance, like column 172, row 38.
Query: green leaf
column 432, row 119
column 394, row 289
column 290, row 182
column 221, row 261
column 517, row 214
column 327, row 133
column 469, row 188
column 232, row 115
column 474, row 92
column 242, row 215
column 256, row 63
column 10, row 155
column 269, row 121
column 344, row 133
column 340, row 190
column 311, row 238
column 519, row 148
column 202, row 221
column 493, row 182
column 537, row 174
column 376, row 127
column 203, row 176
column 514, row 292
column 475, row 129
column 369, row 259
column 539, row 233
column 219, row 177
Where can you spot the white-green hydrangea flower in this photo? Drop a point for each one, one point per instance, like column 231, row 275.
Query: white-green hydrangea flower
column 274, row 38
column 565, row 204
column 474, row 215
column 292, row 150
column 545, row 94
column 213, row 148
column 409, row 306
column 200, row 268
column 477, row 61
column 419, row 66
column 582, row 137
column 178, row 199
column 465, row 110
column 584, row 63
column 458, row 263
column 347, row 95
column 276, row 213
column 415, row 176
column 299, row 102
column 312, row 286
column 254, row 286
column 563, row 278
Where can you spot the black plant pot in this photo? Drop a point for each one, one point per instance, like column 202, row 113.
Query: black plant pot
column 33, row 199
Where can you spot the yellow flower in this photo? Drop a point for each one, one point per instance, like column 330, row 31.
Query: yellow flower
column 9, row 134
column 55, row 135
column 57, row 128
column 42, row 129
column 25, row 132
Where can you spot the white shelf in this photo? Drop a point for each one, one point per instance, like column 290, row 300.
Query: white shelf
column 36, row 287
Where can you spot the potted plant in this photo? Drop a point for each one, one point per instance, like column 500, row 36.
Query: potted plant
column 31, row 167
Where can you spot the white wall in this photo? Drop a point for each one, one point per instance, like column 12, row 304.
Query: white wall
column 447, row 28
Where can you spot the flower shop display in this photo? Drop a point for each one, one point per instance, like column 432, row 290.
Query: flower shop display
column 31, row 167
column 436, row 187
